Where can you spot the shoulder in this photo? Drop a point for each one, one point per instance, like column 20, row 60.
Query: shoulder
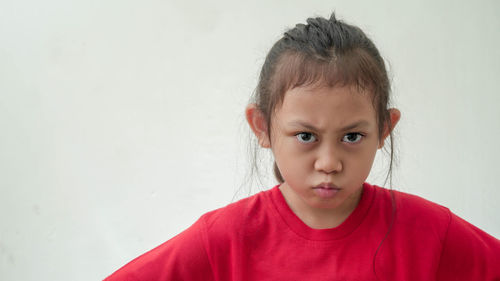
column 413, row 209
column 465, row 251
column 187, row 256
column 413, row 216
column 469, row 252
column 175, row 259
column 233, row 218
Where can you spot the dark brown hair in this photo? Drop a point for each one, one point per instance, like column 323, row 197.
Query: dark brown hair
column 326, row 52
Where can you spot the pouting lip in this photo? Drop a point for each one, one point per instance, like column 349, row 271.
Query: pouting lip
column 326, row 185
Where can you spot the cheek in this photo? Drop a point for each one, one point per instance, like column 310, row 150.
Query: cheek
column 286, row 147
column 293, row 161
column 363, row 158
column 366, row 158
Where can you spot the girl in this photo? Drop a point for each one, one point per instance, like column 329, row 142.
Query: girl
column 321, row 106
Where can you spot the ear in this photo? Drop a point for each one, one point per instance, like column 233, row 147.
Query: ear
column 394, row 116
column 258, row 124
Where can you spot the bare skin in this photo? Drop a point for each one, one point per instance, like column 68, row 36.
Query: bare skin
column 322, row 135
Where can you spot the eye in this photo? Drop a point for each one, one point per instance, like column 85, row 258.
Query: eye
column 305, row 137
column 352, row 137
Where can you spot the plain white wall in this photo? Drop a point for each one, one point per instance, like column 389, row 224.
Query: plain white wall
column 121, row 122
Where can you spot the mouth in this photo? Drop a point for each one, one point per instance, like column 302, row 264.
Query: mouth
column 326, row 185
column 326, row 190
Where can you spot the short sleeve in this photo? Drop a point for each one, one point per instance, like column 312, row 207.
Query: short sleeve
column 181, row 258
column 468, row 253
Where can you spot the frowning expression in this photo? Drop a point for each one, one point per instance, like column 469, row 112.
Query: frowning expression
column 324, row 141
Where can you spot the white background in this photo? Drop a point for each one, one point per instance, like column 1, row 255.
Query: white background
column 121, row 122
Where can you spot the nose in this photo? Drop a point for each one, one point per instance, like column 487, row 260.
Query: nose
column 328, row 161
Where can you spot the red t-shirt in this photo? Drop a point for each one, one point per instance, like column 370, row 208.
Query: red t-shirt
column 260, row 238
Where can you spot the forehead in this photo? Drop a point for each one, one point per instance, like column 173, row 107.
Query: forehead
column 326, row 106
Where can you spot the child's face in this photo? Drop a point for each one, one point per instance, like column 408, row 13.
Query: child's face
column 324, row 136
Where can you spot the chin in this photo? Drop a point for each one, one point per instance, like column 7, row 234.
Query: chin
column 325, row 205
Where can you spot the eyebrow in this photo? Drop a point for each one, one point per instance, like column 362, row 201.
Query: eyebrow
column 300, row 123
